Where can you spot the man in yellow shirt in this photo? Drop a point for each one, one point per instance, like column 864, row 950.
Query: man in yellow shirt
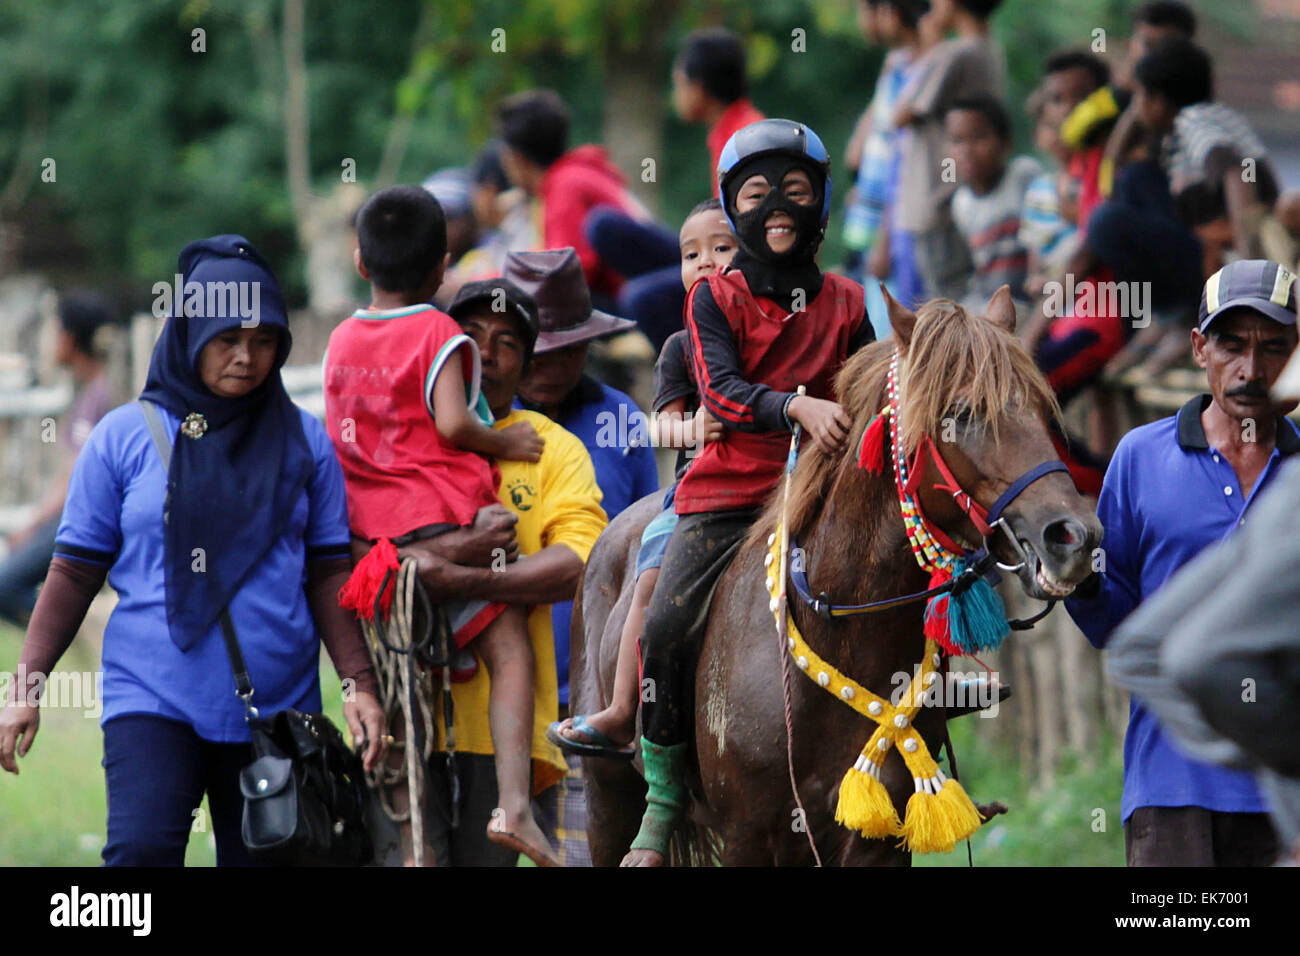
column 557, row 504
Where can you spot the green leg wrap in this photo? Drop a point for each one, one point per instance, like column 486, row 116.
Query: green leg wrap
column 667, row 798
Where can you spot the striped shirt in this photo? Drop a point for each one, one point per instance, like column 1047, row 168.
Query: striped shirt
column 990, row 224
column 1043, row 230
column 1198, row 130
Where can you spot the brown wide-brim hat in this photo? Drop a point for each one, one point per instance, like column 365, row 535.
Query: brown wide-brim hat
column 554, row 279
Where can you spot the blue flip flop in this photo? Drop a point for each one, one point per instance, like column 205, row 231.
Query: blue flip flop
column 603, row 746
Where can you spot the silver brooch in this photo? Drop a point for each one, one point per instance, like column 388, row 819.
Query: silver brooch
column 194, row 425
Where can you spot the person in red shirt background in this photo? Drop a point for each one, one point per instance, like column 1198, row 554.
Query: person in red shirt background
column 710, row 86
column 569, row 183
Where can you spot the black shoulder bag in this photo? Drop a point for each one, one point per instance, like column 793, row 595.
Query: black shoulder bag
column 305, row 792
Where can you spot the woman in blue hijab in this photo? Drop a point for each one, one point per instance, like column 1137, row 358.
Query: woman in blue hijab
column 249, row 516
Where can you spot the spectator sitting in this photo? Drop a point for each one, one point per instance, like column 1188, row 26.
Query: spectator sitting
column 1153, row 22
column 1208, row 149
column 711, row 86
column 987, row 205
column 569, row 183
column 1048, row 235
column 1084, row 110
column 31, row 547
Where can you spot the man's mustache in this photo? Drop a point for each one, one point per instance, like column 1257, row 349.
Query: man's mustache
column 1249, row 390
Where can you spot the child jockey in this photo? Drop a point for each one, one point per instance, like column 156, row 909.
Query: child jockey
column 680, row 421
column 769, row 323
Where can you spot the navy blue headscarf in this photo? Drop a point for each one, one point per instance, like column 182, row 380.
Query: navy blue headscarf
column 231, row 491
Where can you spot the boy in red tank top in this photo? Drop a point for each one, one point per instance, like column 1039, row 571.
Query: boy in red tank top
column 758, row 330
column 414, row 438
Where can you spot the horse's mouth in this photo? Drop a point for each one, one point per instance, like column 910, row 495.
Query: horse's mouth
column 1038, row 581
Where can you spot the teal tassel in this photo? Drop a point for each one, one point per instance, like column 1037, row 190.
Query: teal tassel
column 977, row 618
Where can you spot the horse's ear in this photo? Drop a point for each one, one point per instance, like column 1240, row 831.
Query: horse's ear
column 901, row 318
column 1001, row 311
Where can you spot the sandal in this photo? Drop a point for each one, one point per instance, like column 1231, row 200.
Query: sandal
column 601, row 745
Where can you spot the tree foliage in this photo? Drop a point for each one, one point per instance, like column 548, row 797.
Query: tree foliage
column 156, row 144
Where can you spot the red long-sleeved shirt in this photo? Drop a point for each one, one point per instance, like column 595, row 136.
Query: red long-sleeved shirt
column 574, row 185
column 750, row 356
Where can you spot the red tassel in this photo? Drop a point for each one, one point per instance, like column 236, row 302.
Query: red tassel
column 936, row 615
column 871, row 454
column 358, row 593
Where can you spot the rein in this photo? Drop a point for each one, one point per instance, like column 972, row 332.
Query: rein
column 976, row 564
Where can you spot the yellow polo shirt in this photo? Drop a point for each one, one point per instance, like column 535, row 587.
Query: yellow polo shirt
column 558, row 502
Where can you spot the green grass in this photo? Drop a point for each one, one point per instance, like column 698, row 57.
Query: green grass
column 1059, row 826
column 53, row 813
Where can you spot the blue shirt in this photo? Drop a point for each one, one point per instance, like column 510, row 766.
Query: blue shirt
column 114, row 516
column 616, row 434
column 1167, row 496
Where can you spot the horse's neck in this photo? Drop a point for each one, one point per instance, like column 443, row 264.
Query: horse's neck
column 856, row 546
column 856, row 551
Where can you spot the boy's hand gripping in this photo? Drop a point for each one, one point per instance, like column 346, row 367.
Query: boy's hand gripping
column 522, row 442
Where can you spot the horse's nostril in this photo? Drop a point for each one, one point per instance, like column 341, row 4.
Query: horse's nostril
column 1066, row 535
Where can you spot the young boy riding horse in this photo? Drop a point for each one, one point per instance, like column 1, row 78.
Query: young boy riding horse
column 758, row 330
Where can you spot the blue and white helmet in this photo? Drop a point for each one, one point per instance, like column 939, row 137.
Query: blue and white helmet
column 774, row 137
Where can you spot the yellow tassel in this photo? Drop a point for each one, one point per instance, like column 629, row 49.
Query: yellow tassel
column 864, row 805
column 934, row 823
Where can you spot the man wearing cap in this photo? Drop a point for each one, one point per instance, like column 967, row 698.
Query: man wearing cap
column 1173, row 488
column 610, row 425
column 557, row 504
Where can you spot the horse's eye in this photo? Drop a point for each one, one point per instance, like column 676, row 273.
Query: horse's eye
column 961, row 414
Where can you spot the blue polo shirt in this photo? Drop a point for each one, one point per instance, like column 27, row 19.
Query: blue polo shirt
column 114, row 516
column 1168, row 495
column 606, row 422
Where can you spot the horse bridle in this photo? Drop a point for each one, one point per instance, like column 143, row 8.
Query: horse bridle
column 986, row 521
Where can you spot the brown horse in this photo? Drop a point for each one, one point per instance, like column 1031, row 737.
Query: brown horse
column 965, row 382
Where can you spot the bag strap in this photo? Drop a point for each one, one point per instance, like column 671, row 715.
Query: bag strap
column 243, row 683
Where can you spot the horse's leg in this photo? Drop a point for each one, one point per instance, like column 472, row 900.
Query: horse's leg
column 615, row 805
column 615, row 791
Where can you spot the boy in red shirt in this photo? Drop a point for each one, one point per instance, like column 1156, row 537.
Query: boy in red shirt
column 770, row 322
column 711, row 85
column 570, row 183
column 414, row 438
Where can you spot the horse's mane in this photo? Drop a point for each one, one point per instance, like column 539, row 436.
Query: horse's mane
column 953, row 355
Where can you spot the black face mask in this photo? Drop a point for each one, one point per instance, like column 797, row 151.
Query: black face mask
column 750, row 228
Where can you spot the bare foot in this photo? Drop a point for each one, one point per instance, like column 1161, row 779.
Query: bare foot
column 607, row 722
column 988, row 811
column 643, row 858
column 521, row 833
